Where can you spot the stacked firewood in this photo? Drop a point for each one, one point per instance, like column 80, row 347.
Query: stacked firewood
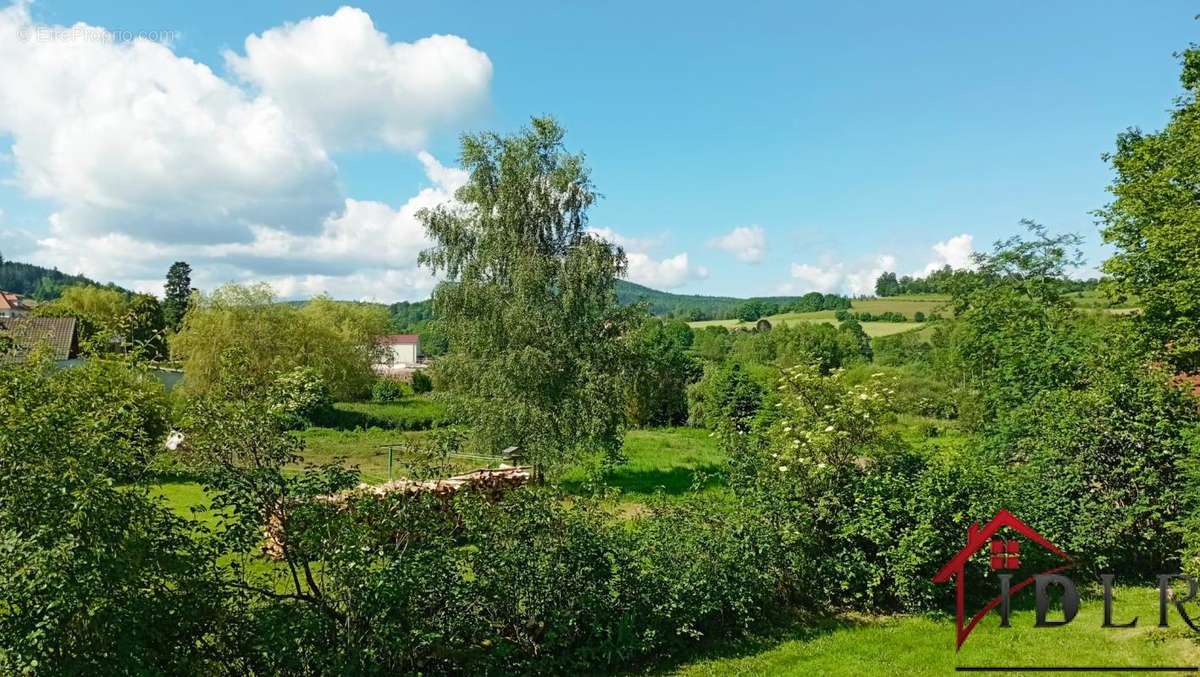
column 492, row 482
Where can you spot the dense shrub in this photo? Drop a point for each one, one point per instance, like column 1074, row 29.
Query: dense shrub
column 387, row 390
column 1101, row 469
column 95, row 577
column 907, row 347
column 116, row 419
column 299, row 397
column 525, row 584
column 658, row 374
column 916, row 392
column 421, row 383
column 726, row 395
column 863, row 523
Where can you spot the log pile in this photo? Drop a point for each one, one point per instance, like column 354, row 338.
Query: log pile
column 492, row 482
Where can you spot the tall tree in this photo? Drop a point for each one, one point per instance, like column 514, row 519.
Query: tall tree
column 178, row 290
column 1154, row 221
column 529, row 304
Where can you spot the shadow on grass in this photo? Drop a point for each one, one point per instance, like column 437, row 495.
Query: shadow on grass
column 775, row 632
column 650, row 481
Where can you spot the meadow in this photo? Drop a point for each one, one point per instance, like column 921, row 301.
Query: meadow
column 907, row 305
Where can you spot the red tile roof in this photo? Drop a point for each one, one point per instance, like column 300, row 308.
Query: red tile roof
column 11, row 301
column 398, row 339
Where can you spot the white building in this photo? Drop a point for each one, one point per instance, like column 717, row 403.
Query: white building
column 398, row 353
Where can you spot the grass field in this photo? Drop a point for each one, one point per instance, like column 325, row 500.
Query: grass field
column 419, row 412
column 924, row 645
column 908, row 305
column 669, row 460
column 872, row 329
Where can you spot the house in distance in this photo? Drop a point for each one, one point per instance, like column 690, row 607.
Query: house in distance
column 398, row 354
column 12, row 306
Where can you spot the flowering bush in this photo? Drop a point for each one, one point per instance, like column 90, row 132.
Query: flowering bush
column 822, row 430
column 299, row 396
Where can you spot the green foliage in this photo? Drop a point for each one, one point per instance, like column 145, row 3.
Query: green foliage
column 387, row 390
column 696, row 307
column 1101, row 468
column 863, row 523
column 712, row 344
column 177, row 294
column 801, row 343
column 110, row 320
column 421, row 382
column 917, row 393
column 1016, row 334
column 755, row 308
column 95, row 578
column 115, row 413
column 726, row 396
column 900, row 349
column 1154, row 222
column 659, row 372
column 299, row 397
column 335, row 339
column 536, row 350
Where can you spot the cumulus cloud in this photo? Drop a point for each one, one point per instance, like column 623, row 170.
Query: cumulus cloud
column 831, row 276
column 746, row 243
column 368, row 251
column 149, row 157
column 669, row 273
column 342, row 79
column 955, row 252
column 129, row 137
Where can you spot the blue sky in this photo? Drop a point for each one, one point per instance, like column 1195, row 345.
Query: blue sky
column 741, row 148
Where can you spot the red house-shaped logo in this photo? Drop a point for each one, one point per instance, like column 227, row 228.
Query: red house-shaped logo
column 1004, row 555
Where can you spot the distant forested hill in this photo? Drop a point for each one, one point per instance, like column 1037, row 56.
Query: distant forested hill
column 40, row 283
column 693, row 307
column 414, row 315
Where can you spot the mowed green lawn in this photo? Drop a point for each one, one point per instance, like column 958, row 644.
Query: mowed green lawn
column 924, row 645
column 673, row 461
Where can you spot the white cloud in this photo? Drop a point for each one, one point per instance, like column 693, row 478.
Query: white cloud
column 955, row 252
column 644, row 269
column 368, row 251
column 149, row 157
column 667, row 273
column 747, row 243
column 129, row 137
column 342, row 79
column 831, row 276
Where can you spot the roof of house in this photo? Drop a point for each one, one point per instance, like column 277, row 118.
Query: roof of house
column 56, row 332
column 11, row 301
column 398, row 339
